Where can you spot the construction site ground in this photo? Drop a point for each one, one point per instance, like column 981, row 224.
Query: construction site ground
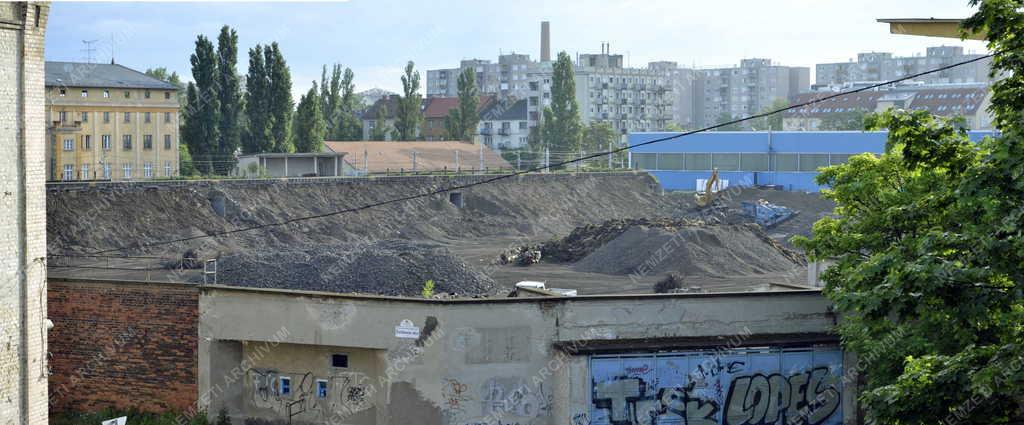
column 394, row 249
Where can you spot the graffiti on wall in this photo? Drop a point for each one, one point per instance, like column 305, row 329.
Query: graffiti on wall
column 504, row 399
column 736, row 388
column 310, row 397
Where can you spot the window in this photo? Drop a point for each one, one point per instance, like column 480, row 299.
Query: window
column 145, row 116
column 812, row 161
column 69, row 145
column 167, row 141
column 754, row 161
column 127, row 168
column 167, row 95
column 167, row 168
column 147, row 170
column 126, row 142
column 69, row 172
column 127, row 94
column 85, row 117
column 339, row 360
column 146, row 94
column 63, row 92
column 147, row 141
column 785, row 162
column 321, row 388
column 62, row 116
column 105, row 140
column 85, row 93
column 839, row 158
column 127, row 117
column 87, row 142
column 670, row 161
column 106, row 171
column 726, row 161
column 85, row 172
column 106, row 94
column 522, row 125
column 106, row 116
column 285, row 384
column 167, row 117
column 645, row 161
column 698, row 161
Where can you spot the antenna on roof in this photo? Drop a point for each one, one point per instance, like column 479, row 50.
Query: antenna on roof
column 111, row 49
column 89, row 50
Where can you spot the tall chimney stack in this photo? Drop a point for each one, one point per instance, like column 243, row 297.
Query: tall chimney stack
column 545, row 41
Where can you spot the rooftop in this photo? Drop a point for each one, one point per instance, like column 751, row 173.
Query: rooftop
column 81, row 74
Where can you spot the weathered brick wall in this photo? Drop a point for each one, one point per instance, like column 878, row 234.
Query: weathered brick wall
column 22, row 214
column 123, row 345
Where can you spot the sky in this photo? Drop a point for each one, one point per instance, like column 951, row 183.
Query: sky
column 375, row 38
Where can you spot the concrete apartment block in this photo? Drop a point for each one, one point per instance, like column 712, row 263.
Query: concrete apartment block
column 23, row 323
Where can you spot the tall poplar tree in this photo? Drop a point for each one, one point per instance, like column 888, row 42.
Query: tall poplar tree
column 349, row 128
column 562, row 129
column 202, row 125
column 409, row 114
column 257, row 85
column 230, row 99
column 330, row 99
column 279, row 94
column 310, row 125
column 461, row 122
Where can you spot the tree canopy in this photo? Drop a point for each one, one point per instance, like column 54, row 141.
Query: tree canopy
column 561, row 128
column 926, row 244
column 409, row 115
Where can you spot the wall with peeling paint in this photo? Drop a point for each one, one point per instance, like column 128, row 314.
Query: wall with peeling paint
column 507, row 361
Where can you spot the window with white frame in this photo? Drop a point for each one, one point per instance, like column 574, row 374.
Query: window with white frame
column 69, row 144
column 85, row 93
column 126, row 142
column 85, row 117
column 105, row 141
column 147, row 170
column 167, row 169
column 87, row 142
column 106, row 171
column 85, row 172
column 167, row 141
column 321, row 388
column 127, row 170
column 106, row 94
column 69, row 171
column 106, row 116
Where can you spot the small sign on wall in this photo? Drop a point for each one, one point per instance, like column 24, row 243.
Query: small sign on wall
column 406, row 329
column 116, row 421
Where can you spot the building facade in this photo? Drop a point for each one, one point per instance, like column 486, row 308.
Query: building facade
column 726, row 93
column 503, row 125
column 109, row 122
column 969, row 101
column 23, row 309
column 883, row 66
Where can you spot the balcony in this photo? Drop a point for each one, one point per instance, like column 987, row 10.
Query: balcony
column 65, row 126
column 486, row 131
column 505, row 131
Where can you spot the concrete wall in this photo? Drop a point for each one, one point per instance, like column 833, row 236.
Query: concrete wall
column 23, row 367
column 508, row 361
column 122, row 345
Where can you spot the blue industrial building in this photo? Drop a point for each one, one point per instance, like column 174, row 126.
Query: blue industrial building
column 789, row 159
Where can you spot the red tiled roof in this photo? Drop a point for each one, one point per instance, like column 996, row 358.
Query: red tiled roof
column 960, row 101
column 438, row 107
column 865, row 101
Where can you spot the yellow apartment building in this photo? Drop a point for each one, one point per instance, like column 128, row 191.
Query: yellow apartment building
column 109, row 122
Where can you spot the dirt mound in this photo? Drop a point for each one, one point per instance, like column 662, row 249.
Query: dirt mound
column 716, row 250
column 389, row 267
column 586, row 239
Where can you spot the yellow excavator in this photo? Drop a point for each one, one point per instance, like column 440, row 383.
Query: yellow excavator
column 705, row 198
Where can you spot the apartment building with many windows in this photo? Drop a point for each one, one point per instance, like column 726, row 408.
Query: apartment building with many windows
column 726, row 93
column 883, row 66
column 109, row 122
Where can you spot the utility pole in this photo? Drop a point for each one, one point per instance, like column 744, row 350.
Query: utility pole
column 481, row 156
column 519, row 162
column 457, row 161
column 366, row 167
column 609, row 156
column 414, row 161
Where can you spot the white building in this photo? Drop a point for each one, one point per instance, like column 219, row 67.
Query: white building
column 504, row 125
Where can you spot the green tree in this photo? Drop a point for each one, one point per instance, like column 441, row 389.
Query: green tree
column 349, row 127
column 562, row 129
column 725, row 117
column 408, row 116
column 330, row 100
column 598, row 136
column 185, row 166
column 926, row 245
column 771, row 122
column 310, row 125
column 380, row 129
column 843, row 121
column 258, row 136
column 462, row 121
column 279, row 98
column 203, row 113
column 673, row 127
column 230, row 99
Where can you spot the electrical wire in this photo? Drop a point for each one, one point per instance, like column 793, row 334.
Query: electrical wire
column 548, row 166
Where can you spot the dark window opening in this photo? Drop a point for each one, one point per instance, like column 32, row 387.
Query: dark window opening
column 456, row 199
column 339, row 360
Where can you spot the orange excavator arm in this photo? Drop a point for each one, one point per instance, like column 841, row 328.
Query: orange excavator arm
column 704, row 199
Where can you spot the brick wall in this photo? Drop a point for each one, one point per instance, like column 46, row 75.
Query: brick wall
column 123, row 345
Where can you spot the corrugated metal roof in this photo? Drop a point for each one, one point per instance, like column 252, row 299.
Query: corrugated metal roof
column 80, row 74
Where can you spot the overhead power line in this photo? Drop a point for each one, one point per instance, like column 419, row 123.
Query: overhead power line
column 555, row 165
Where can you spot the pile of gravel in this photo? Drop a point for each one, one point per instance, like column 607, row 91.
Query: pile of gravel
column 586, row 239
column 698, row 249
column 386, row 267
